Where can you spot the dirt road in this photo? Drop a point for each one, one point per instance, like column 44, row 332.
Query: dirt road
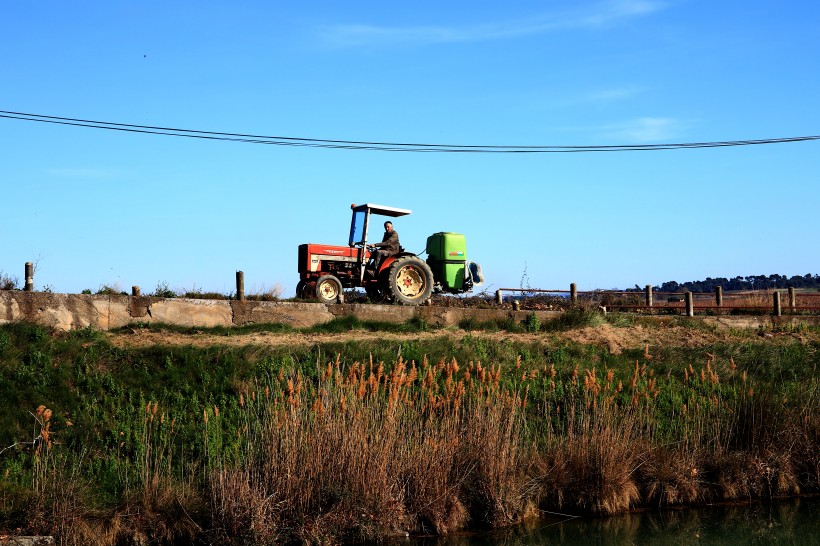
column 616, row 339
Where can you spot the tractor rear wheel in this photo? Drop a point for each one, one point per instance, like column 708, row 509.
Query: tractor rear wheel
column 410, row 281
column 300, row 287
column 328, row 289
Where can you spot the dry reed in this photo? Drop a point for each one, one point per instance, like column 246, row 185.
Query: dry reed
column 374, row 450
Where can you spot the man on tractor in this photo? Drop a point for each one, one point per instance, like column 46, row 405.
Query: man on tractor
column 325, row 271
column 388, row 247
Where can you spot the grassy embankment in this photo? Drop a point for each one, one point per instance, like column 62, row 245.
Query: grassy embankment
column 351, row 441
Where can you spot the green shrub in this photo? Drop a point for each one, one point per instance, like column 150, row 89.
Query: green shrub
column 532, row 324
column 575, row 317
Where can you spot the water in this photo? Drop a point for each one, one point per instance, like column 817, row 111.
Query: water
column 794, row 522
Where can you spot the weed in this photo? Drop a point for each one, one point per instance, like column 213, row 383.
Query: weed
column 496, row 325
column 419, row 324
column 110, row 290
column 350, row 323
column 621, row 320
column 89, row 333
column 532, row 323
column 266, row 294
column 196, row 293
column 164, row 291
column 573, row 318
column 791, row 327
column 8, row 282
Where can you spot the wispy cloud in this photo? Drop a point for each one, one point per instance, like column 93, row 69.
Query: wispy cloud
column 644, row 130
column 599, row 15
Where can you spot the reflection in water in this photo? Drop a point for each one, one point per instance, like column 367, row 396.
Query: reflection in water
column 794, row 522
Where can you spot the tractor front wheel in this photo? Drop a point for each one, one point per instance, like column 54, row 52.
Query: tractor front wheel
column 328, row 289
column 410, row 281
column 309, row 290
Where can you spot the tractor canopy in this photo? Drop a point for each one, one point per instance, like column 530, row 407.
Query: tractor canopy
column 361, row 219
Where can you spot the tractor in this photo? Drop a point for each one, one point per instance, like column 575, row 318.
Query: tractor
column 326, row 270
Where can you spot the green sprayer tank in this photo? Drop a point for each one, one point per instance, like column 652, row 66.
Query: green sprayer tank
column 447, row 257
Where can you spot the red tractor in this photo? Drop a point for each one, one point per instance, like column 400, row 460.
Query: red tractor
column 325, row 270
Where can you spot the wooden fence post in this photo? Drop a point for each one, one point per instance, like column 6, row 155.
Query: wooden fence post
column 573, row 294
column 778, row 310
column 135, row 291
column 29, row 286
column 516, row 305
column 719, row 296
column 649, row 295
column 240, row 286
column 498, row 297
column 792, row 298
column 690, row 304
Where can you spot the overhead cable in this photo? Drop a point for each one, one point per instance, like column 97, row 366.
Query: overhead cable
column 383, row 146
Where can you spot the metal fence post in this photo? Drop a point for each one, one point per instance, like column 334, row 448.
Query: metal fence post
column 690, row 304
column 240, row 286
column 29, row 286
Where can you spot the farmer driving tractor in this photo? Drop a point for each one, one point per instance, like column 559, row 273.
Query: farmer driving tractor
column 388, row 247
column 385, row 270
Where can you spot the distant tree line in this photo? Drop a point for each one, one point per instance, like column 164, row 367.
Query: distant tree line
column 751, row 282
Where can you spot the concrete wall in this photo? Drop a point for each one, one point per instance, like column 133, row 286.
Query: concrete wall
column 72, row 311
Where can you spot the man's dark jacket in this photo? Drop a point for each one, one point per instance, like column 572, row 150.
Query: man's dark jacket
column 390, row 242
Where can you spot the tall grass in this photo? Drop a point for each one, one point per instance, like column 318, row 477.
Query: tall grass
column 251, row 447
column 364, row 453
column 367, row 452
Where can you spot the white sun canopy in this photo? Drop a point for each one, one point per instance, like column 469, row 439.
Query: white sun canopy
column 381, row 210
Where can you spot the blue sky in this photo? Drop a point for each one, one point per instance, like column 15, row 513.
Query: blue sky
column 95, row 207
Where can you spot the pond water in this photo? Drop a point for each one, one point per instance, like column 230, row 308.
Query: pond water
column 794, row 522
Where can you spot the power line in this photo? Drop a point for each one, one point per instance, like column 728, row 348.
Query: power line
column 383, row 146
